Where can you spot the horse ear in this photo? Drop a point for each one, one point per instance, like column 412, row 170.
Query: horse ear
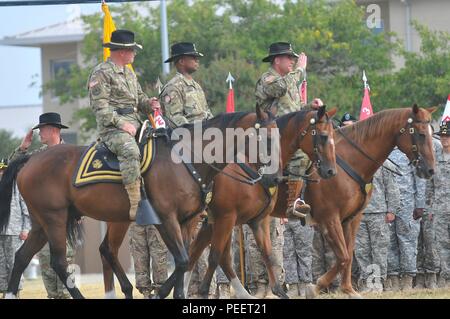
column 321, row 111
column 332, row 112
column 415, row 108
column 432, row 109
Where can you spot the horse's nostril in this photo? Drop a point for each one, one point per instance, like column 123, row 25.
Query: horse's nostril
column 431, row 171
column 331, row 172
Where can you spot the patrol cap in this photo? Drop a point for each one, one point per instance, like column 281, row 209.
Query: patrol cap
column 348, row 117
column 280, row 48
column 183, row 48
column 122, row 39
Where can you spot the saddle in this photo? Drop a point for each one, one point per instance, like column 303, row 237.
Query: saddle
column 99, row 165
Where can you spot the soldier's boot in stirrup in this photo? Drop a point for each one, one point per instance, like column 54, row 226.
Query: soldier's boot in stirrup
column 296, row 207
column 134, row 195
column 420, row 281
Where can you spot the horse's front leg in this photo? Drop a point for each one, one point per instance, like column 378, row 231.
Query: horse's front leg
column 35, row 241
column 171, row 234
column 261, row 231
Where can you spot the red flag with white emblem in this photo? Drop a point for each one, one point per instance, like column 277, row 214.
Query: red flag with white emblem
column 230, row 97
column 366, row 106
column 446, row 116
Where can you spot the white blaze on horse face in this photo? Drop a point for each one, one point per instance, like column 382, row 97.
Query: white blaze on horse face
column 331, row 141
column 430, row 130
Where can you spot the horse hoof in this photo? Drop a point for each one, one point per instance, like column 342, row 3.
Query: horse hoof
column 155, row 297
column 355, row 296
column 10, row 295
column 311, row 291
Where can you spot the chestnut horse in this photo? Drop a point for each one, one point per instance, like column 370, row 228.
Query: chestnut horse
column 250, row 202
column 45, row 182
column 364, row 148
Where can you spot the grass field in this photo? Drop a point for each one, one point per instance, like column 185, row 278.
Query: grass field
column 92, row 287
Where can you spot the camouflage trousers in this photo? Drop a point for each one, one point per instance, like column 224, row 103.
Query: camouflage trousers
column 297, row 252
column 442, row 224
column 8, row 247
column 125, row 147
column 199, row 271
column 298, row 165
column 402, row 251
column 323, row 258
column 427, row 253
column 255, row 268
column 54, row 286
column 149, row 256
column 371, row 246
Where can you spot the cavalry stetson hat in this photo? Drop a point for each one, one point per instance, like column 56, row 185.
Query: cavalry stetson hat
column 122, row 39
column 183, row 48
column 50, row 118
column 280, row 48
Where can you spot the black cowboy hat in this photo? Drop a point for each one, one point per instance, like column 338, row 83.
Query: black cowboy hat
column 183, row 48
column 50, row 118
column 444, row 129
column 122, row 39
column 280, row 48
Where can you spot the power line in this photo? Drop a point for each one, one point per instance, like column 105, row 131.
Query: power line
column 58, row 2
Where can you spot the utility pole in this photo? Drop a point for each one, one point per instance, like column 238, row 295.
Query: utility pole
column 164, row 38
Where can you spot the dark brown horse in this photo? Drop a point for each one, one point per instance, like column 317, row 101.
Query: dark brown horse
column 249, row 202
column 45, row 182
column 337, row 202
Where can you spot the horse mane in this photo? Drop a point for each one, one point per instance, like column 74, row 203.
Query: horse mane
column 283, row 120
column 373, row 126
column 220, row 120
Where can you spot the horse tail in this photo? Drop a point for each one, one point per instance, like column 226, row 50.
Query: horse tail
column 6, row 188
column 74, row 228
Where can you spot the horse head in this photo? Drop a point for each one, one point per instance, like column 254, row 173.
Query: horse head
column 320, row 146
column 415, row 140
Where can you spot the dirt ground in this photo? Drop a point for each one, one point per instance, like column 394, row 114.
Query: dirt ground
column 92, row 287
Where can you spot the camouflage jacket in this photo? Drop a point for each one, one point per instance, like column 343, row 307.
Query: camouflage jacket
column 18, row 152
column 183, row 101
column 412, row 188
column 438, row 187
column 19, row 220
column 386, row 194
column 112, row 91
column 278, row 91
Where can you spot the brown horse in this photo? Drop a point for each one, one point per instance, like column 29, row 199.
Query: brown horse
column 45, row 183
column 365, row 147
column 250, row 202
column 362, row 148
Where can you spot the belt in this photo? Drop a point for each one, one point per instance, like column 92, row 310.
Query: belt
column 126, row 110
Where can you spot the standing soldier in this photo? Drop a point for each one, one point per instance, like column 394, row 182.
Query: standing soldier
column 439, row 194
column 372, row 238
column 402, row 253
column 183, row 101
column 13, row 235
column 149, row 257
column 50, row 135
column 427, row 254
column 116, row 98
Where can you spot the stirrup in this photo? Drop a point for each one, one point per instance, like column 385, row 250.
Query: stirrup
column 304, row 209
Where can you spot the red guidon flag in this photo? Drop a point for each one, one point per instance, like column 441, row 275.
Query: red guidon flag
column 230, row 97
column 366, row 106
column 304, row 90
column 446, row 116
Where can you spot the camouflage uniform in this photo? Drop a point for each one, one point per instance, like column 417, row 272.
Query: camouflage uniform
column 438, row 192
column 148, row 247
column 256, row 272
column 402, row 253
column 183, row 101
column 116, row 97
column 372, row 238
column 297, row 252
column 19, row 221
column 54, row 286
column 427, row 254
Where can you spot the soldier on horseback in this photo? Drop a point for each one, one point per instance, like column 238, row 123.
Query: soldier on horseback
column 116, row 99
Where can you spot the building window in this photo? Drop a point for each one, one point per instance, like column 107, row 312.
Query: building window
column 60, row 72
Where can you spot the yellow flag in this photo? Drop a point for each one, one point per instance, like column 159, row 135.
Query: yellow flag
column 108, row 28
